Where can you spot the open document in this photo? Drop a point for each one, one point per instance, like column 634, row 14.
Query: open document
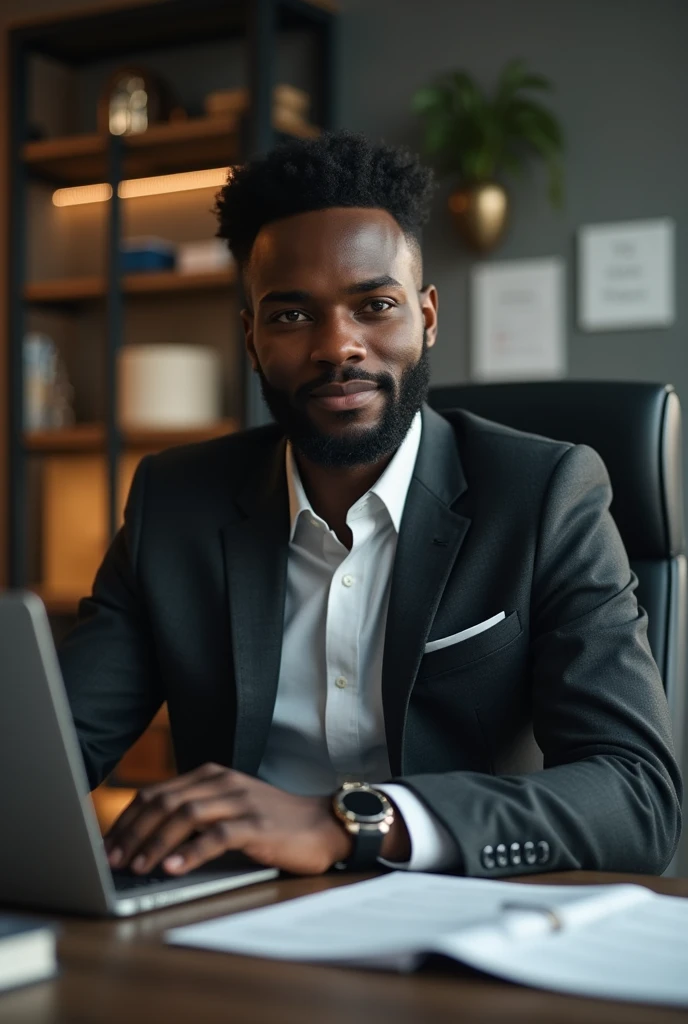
column 613, row 941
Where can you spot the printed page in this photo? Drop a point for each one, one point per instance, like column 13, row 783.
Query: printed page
column 638, row 952
column 386, row 921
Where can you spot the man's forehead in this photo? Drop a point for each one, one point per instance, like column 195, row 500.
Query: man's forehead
column 347, row 243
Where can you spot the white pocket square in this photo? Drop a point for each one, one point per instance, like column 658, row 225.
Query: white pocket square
column 465, row 634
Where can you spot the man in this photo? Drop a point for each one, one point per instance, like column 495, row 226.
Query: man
column 369, row 593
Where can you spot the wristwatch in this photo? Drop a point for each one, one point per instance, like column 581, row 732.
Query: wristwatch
column 367, row 815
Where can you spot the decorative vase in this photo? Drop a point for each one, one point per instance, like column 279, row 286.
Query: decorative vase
column 480, row 214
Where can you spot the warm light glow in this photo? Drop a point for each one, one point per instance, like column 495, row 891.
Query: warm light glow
column 82, row 194
column 135, row 187
column 172, row 183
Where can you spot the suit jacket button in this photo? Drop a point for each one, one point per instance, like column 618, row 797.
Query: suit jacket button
column 487, row 858
column 502, row 859
column 515, row 854
column 543, row 851
column 529, row 854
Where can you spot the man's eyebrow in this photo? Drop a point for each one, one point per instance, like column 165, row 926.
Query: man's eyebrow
column 375, row 282
column 293, row 296
column 297, row 295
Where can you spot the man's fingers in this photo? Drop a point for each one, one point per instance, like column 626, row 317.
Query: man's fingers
column 155, row 804
column 148, row 794
column 148, row 818
column 194, row 814
column 224, row 835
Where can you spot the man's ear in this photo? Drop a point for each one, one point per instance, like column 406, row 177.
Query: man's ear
column 428, row 305
column 247, row 321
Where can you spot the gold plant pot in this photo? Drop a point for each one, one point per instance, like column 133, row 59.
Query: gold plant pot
column 480, row 214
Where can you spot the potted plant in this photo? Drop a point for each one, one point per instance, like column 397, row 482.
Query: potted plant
column 479, row 138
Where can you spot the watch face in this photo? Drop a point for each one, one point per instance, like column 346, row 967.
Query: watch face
column 363, row 804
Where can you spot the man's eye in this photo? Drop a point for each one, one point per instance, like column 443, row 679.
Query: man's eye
column 379, row 305
column 290, row 316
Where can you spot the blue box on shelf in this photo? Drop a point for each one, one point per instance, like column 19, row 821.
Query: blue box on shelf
column 141, row 255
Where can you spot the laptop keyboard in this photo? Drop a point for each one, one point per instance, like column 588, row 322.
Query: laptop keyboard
column 127, row 880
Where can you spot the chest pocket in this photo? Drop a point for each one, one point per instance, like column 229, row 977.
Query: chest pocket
column 466, row 652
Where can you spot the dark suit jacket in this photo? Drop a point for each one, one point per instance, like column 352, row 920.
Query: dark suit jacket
column 188, row 607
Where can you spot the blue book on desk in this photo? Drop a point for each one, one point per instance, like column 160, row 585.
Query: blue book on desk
column 27, row 951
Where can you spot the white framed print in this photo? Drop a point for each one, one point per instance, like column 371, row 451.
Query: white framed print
column 626, row 275
column 518, row 320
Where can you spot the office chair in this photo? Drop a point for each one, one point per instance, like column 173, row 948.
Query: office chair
column 636, row 428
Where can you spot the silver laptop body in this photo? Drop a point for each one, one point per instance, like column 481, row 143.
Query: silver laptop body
column 51, row 852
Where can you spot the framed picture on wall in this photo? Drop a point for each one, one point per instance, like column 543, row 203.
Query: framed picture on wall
column 626, row 275
column 518, row 320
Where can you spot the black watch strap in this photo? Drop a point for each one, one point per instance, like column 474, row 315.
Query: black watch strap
column 366, row 850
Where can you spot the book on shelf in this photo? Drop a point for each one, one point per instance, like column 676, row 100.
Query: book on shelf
column 27, row 951
column 619, row 941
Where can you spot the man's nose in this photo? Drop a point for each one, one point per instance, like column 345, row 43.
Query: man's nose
column 337, row 340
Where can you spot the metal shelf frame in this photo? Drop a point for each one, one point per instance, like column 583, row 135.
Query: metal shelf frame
column 87, row 38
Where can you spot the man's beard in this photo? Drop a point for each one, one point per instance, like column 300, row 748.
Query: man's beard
column 358, row 447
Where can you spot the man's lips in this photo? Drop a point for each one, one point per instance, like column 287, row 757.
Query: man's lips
column 349, row 387
column 351, row 395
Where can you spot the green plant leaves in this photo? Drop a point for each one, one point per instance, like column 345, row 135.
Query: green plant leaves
column 427, row 99
column 477, row 137
column 514, row 78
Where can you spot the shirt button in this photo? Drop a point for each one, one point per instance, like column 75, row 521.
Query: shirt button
column 340, row 682
column 502, row 859
column 543, row 851
column 529, row 854
column 347, row 580
column 487, row 857
column 515, row 854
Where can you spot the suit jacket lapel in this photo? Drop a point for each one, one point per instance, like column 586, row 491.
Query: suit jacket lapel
column 255, row 552
column 430, row 538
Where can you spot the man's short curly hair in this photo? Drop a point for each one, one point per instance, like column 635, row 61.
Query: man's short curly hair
column 336, row 169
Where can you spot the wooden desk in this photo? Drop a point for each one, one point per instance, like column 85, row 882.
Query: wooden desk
column 120, row 972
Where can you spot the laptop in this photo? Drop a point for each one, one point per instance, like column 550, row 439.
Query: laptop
column 52, row 855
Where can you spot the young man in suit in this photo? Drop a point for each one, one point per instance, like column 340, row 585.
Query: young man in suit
column 382, row 633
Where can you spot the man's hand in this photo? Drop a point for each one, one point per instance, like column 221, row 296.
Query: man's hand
column 189, row 820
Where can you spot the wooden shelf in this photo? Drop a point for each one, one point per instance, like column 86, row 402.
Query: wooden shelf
column 196, row 143
column 67, row 291
column 166, row 438
column 84, row 437
column 90, row 437
column 163, row 148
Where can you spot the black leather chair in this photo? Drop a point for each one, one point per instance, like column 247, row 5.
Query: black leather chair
column 636, row 428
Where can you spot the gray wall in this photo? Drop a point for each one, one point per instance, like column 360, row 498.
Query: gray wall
column 621, row 79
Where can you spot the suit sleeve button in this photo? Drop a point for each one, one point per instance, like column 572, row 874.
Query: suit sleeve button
column 543, row 852
column 529, row 854
column 515, row 854
column 487, row 858
column 502, row 858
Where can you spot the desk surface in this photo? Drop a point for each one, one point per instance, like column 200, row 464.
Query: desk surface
column 120, row 972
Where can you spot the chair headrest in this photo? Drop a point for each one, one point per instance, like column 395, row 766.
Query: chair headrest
column 635, row 427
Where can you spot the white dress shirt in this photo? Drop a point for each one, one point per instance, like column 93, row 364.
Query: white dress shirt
column 328, row 725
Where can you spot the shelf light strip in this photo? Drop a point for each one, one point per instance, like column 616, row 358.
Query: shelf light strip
column 135, row 187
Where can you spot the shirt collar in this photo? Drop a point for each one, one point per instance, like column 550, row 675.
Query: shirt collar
column 391, row 488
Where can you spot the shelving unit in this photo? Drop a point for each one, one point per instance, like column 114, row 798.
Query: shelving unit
column 88, row 44
column 89, row 158
column 92, row 437
column 70, row 290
